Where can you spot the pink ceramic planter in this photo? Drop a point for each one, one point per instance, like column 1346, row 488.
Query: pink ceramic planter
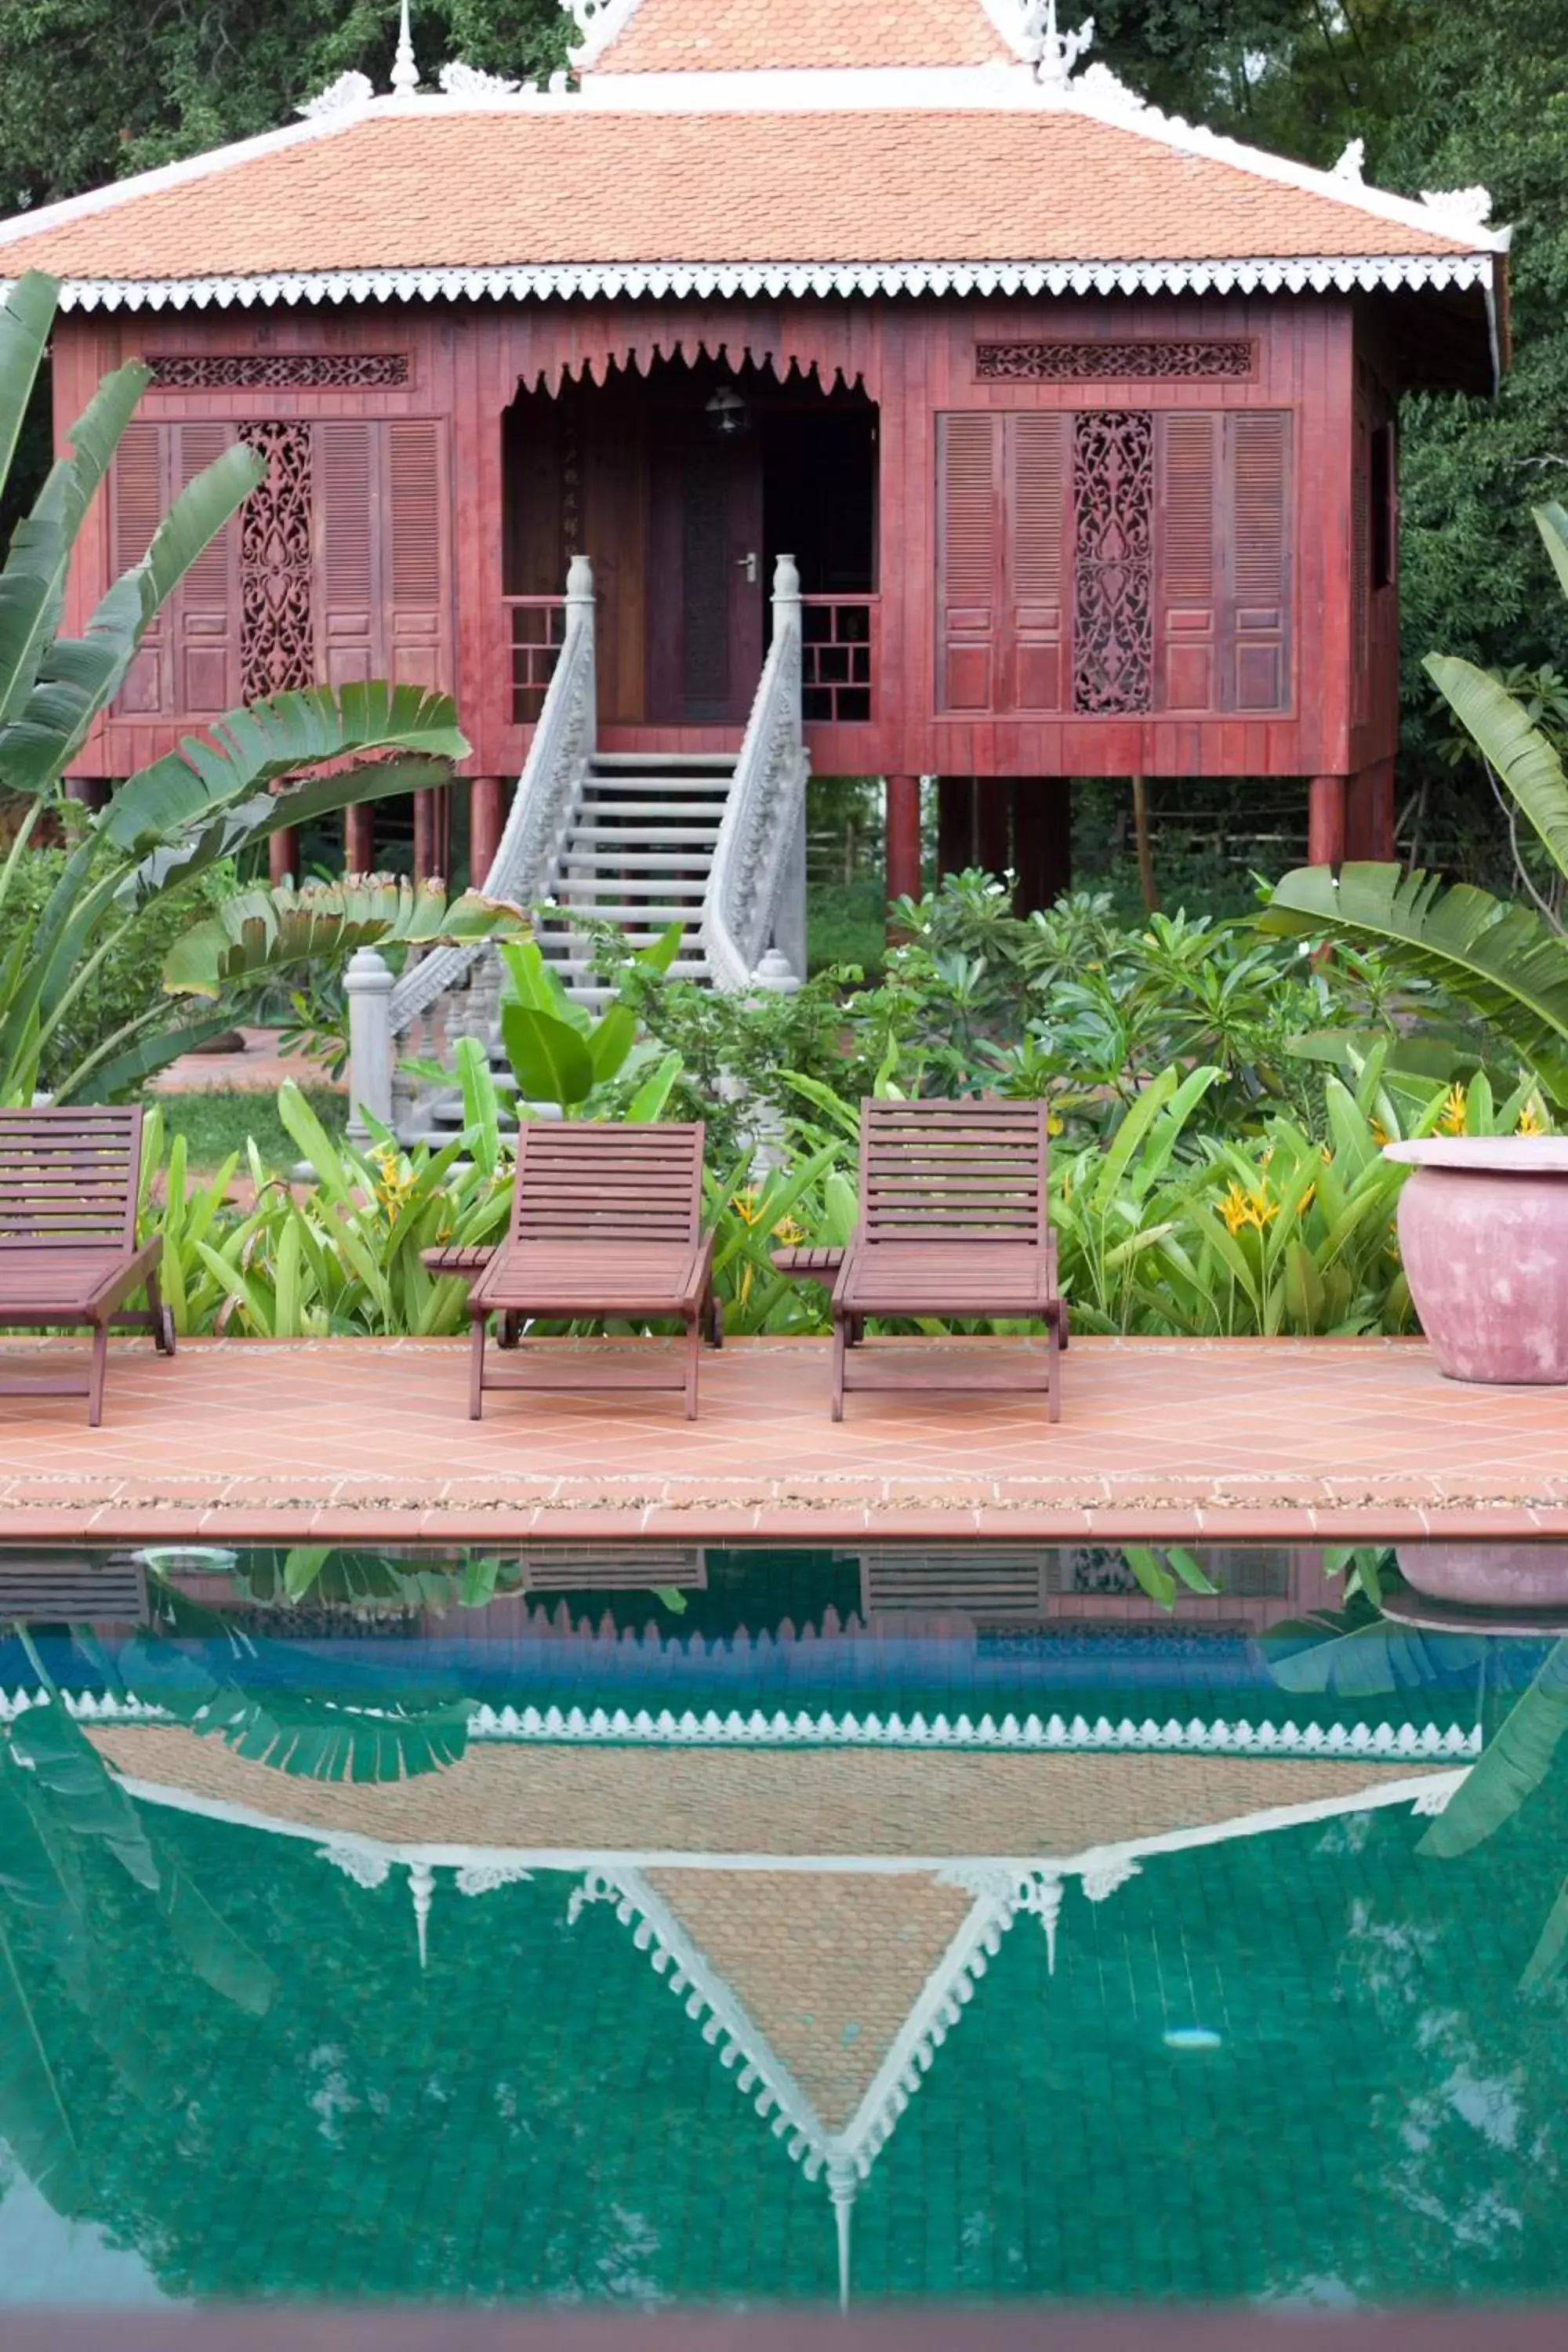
column 1490, row 1576
column 1483, row 1229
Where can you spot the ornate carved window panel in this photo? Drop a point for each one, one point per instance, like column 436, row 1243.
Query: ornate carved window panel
column 1113, row 513
column 279, row 372
column 1047, row 360
column 277, row 636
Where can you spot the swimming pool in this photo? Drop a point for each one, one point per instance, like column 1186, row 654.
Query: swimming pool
column 615, row 1925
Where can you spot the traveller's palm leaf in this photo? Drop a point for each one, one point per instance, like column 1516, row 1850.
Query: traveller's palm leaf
column 1507, row 962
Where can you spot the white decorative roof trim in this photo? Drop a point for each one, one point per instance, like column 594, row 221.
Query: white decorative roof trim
column 1002, row 86
column 1364, row 1743
column 460, row 79
column 599, row 22
column 349, row 89
column 662, row 280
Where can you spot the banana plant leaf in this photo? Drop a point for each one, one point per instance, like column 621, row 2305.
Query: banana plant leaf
column 79, row 677
column 1505, row 961
column 240, row 1695
column 35, row 2121
column 1545, row 1963
column 265, row 930
column 1357, row 1652
column 26, row 318
column 1511, row 1767
column 32, row 584
column 550, row 1060
column 249, row 748
column 1522, row 755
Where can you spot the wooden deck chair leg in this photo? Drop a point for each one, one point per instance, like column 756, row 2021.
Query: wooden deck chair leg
column 693, row 1357
column 715, row 1319
column 839, row 1323
column 509, row 1335
column 163, row 1321
column 94, row 1376
column 477, row 1370
column 1053, row 1369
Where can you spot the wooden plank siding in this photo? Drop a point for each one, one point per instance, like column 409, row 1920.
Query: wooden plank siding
column 917, row 362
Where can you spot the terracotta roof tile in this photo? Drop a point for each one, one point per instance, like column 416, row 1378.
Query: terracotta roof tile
column 477, row 190
column 741, row 36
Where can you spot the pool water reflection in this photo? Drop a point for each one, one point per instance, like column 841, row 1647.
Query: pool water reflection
column 639, row 1927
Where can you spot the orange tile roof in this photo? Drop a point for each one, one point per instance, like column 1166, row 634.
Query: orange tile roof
column 744, row 36
column 406, row 189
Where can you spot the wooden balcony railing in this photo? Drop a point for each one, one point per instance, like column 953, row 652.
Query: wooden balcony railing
column 538, row 632
column 838, row 660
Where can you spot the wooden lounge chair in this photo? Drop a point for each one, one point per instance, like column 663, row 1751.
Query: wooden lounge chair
column 69, row 1259
column 605, row 1221
column 952, row 1224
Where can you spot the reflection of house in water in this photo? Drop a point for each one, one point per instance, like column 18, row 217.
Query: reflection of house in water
column 825, row 1915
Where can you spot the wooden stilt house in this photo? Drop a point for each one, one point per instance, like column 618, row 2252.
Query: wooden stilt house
column 923, row 401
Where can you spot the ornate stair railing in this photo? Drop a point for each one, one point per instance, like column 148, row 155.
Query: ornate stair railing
column 542, row 810
column 762, row 830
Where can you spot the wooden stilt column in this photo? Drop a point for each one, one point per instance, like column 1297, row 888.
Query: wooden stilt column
column 283, row 854
column 89, row 792
column 1369, row 814
column 955, row 823
column 359, row 840
column 1042, row 841
column 903, row 837
column 427, row 835
column 1326, row 797
column 993, row 823
column 486, row 815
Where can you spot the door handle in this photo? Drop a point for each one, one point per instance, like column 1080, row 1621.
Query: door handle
column 748, row 565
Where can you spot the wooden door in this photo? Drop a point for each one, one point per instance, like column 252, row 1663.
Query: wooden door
column 705, row 616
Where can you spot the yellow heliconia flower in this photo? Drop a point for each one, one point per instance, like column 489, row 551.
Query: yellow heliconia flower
column 1241, row 1207
column 1533, row 1118
column 1451, row 1119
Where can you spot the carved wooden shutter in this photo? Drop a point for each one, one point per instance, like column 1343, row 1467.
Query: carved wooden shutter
column 1036, row 474
column 202, row 618
column 1258, row 615
column 346, row 552
column 417, row 599
column 969, row 515
column 1187, row 563
column 138, row 496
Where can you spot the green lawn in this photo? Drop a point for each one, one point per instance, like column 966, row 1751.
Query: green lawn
column 216, row 1123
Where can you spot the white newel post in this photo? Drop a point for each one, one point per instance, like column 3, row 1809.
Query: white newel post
column 368, row 984
column 789, row 925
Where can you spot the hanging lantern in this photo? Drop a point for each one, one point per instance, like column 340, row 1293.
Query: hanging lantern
column 727, row 412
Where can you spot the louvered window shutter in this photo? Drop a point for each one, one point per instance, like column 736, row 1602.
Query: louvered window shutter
column 1187, row 562
column 1361, row 562
column 347, row 552
column 138, row 496
column 969, row 515
column 1038, row 458
column 203, row 613
column 416, row 574
column 1259, row 471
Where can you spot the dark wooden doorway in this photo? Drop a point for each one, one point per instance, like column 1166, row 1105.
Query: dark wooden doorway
column 705, row 605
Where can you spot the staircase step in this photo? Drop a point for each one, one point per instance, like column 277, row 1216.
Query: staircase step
column 711, row 763
column 587, row 888
column 706, row 817
column 666, row 862
column 696, row 837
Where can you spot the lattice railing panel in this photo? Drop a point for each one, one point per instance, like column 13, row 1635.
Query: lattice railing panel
column 837, row 649
column 538, row 633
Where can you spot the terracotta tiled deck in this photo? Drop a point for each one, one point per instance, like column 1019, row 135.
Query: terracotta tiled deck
column 1226, row 1440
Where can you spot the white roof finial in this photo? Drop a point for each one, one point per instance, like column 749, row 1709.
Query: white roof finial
column 404, row 72
column 1054, row 52
column 841, row 2187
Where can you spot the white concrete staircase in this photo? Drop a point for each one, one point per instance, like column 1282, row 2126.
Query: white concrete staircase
column 638, row 853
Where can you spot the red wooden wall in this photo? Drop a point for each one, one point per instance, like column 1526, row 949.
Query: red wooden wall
column 1264, row 545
